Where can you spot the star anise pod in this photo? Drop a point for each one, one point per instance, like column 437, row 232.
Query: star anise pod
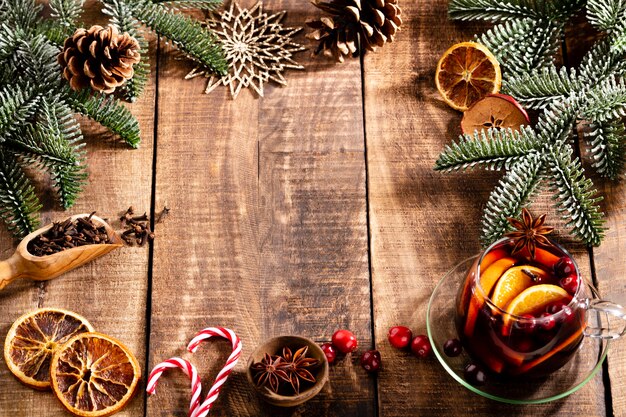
column 298, row 367
column 529, row 232
column 270, row 371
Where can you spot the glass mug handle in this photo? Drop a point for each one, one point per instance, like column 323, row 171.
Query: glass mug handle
column 615, row 328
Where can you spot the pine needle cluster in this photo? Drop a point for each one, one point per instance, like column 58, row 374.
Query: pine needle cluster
column 526, row 41
column 38, row 127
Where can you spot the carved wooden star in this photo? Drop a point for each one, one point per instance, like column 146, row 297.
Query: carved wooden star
column 258, row 48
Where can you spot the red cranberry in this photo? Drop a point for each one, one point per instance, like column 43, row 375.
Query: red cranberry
column 570, row 283
column 421, row 346
column 400, row 336
column 345, row 341
column 330, row 352
column 547, row 321
column 371, row 361
column 564, row 267
column 527, row 323
column 474, row 375
column 452, row 347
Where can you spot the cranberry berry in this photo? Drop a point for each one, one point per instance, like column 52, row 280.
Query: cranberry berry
column 371, row 361
column 564, row 267
column 330, row 352
column 569, row 283
column 452, row 347
column 421, row 346
column 399, row 337
column 474, row 375
column 345, row 341
column 546, row 321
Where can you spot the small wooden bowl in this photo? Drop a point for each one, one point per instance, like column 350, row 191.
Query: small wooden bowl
column 273, row 347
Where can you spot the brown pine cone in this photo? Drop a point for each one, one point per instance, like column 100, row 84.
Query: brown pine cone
column 98, row 57
column 354, row 26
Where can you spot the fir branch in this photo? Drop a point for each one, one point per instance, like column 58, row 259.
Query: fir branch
column 496, row 10
column 17, row 197
column 607, row 147
column 541, row 87
column 107, row 111
column 523, row 45
column 600, row 63
column 21, row 14
column 606, row 14
column 194, row 40
column 492, row 149
column 55, row 144
column 16, row 106
column 191, row 4
column 510, row 195
column 607, row 101
column 556, row 123
column 66, row 12
column 575, row 197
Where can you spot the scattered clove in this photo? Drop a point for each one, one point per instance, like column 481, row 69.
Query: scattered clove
column 68, row 234
column 137, row 228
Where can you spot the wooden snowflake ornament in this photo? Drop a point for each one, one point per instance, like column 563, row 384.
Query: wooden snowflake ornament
column 258, row 48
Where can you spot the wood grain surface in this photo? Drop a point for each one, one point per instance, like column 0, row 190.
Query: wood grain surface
column 312, row 209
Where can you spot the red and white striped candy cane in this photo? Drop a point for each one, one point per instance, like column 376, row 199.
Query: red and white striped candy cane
column 203, row 409
column 188, row 369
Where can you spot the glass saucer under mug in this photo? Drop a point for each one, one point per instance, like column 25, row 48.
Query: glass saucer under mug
column 580, row 369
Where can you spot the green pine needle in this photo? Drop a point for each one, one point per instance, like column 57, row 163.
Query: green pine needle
column 541, row 87
column 18, row 201
column 607, row 147
column 191, row 4
column 575, row 197
column 492, row 149
column 187, row 34
column 109, row 112
column 605, row 14
column 605, row 102
column 510, row 196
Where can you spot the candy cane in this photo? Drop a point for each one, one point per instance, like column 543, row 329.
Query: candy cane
column 187, row 368
column 203, row 409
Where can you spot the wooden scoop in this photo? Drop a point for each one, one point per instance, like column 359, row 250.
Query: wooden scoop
column 43, row 268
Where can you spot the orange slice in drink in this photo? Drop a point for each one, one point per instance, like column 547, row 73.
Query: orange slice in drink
column 536, row 298
column 467, row 72
column 94, row 375
column 488, row 279
column 34, row 338
column 513, row 282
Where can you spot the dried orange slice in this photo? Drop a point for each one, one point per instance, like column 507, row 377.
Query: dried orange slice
column 33, row 339
column 94, row 375
column 536, row 298
column 467, row 72
column 497, row 111
column 513, row 282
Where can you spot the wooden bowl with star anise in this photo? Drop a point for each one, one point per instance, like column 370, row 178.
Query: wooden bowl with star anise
column 287, row 371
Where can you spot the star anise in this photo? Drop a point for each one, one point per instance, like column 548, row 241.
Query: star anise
column 270, row 371
column 529, row 232
column 298, row 367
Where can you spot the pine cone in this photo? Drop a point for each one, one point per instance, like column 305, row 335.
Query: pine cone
column 98, row 57
column 354, row 26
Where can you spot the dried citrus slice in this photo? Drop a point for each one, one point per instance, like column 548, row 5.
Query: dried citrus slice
column 496, row 111
column 33, row 339
column 466, row 73
column 94, row 375
column 513, row 282
column 536, row 298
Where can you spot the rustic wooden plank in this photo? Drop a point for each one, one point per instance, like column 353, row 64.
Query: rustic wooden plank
column 267, row 233
column 111, row 291
column 422, row 222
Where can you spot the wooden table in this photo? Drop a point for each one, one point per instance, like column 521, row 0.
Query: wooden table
column 312, row 209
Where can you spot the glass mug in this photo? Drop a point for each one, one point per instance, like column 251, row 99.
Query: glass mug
column 555, row 322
